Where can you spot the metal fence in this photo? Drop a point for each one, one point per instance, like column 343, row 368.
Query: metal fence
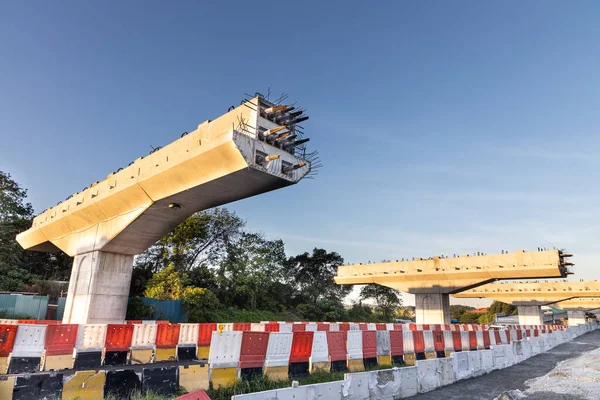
column 23, row 306
column 171, row 310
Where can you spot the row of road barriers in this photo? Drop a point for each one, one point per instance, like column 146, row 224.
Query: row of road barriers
column 426, row 375
column 27, row 348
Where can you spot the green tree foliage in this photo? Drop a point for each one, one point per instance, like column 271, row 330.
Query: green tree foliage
column 387, row 300
column 17, row 266
column 498, row 307
column 457, row 310
column 200, row 305
column 137, row 309
column 468, row 317
column 167, row 284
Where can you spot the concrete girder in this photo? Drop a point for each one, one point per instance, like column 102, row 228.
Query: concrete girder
column 451, row 275
column 581, row 303
column 533, row 293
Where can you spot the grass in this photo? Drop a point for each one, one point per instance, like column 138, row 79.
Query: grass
column 263, row 383
column 144, row 396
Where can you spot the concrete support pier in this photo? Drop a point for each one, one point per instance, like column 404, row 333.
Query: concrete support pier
column 99, row 288
column 530, row 315
column 432, row 308
column 576, row 317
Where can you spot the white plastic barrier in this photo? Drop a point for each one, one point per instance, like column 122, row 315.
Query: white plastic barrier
column 355, row 345
column 428, row 339
column 148, row 321
column 144, row 336
column 383, row 343
column 371, row 327
column 448, row 341
column 487, row 360
column 311, row 327
column 188, row 335
column 504, row 336
column 29, row 341
column 278, row 349
column 408, row 342
column 427, row 375
column 320, row 350
column 334, row 327
column 285, row 327
column 389, row 327
column 256, row 327
column 91, row 337
column 480, row 342
column 354, row 327
column 225, row 349
column 9, row 321
column 464, row 340
column 227, row 326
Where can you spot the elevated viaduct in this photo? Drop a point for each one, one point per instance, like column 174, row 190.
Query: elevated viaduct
column 434, row 279
column 530, row 296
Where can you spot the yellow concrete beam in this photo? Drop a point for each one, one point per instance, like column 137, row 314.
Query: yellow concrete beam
column 135, row 206
column 533, row 293
column 580, row 303
column 449, row 275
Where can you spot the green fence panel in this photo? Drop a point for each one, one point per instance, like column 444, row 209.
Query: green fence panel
column 60, row 311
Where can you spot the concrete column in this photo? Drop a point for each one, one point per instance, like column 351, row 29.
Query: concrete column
column 99, row 288
column 530, row 315
column 432, row 308
column 576, row 317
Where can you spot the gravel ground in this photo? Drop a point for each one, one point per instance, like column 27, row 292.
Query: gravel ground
column 566, row 372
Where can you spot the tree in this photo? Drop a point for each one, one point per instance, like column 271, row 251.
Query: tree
column 457, row 310
column 469, row 317
column 386, row 299
column 313, row 275
column 201, row 239
column 167, row 284
column 498, row 307
column 200, row 304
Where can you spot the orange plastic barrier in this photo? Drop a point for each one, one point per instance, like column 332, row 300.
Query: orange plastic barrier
column 167, row 336
column 380, row 327
column 486, row 339
column 27, row 321
column 60, row 339
column 205, row 333
column 472, row 340
column 48, row 322
column 323, row 327
column 412, row 327
column 241, row 326
column 301, row 347
column 363, row 327
column 369, row 339
column 336, row 341
column 118, row 337
column 8, row 333
column 396, row 343
column 133, row 321
column 457, row 340
column 199, row 394
column 497, row 337
column 398, row 327
column 438, row 340
column 299, row 328
column 272, row 327
column 344, row 327
column 419, row 341
column 254, row 349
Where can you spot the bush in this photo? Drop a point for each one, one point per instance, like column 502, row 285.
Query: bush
column 200, row 304
column 137, row 309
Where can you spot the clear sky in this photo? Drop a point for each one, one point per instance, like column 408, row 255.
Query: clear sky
column 444, row 127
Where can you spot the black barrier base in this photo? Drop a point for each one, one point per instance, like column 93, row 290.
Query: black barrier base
column 370, row 362
column 250, row 373
column 186, row 353
column 115, row 358
column 19, row 365
column 420, row 356
column 299, row 370
column 160, row 380
column 440, row 354
column 120, row 384
column 88, row 360
column 339, row 366
column 398, row 360
column 43, row 386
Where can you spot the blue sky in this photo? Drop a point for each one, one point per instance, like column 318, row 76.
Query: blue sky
column 444, row 127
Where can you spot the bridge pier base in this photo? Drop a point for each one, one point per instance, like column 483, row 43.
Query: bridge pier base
column 432, row 308
column 98, row 288
column 576, row 317
column 530, row 315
